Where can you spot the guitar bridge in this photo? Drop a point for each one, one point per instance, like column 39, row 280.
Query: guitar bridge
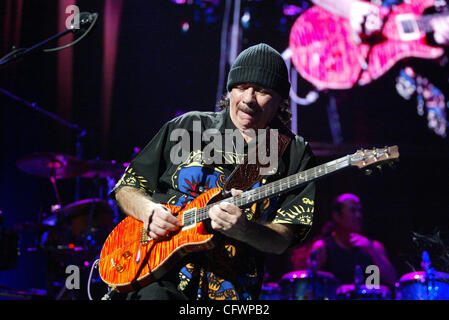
column 144, row 237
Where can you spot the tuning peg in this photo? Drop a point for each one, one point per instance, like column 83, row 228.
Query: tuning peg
column 379, row 167
column 368, row 171
column 393, row 164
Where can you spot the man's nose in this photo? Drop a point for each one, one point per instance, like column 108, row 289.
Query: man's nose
column 249, row 95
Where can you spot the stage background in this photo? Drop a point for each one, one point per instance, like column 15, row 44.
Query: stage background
column 123, row 85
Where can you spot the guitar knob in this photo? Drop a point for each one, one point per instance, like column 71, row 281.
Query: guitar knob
column 127, row 255
column 119, row 267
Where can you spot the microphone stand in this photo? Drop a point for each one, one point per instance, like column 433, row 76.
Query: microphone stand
column 313, row 273
column 429, row 276
column 81, row 132
column 17, row 54
column 358, row 278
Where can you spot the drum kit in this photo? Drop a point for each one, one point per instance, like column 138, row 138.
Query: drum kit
column 321, row 285
column 71, row 233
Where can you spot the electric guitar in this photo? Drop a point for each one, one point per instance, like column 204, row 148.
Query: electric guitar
column 325, row 54
column 129, row 259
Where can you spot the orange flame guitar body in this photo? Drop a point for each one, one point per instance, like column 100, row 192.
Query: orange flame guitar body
column 130, row 259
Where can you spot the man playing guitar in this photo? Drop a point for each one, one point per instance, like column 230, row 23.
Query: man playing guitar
column 259, row 86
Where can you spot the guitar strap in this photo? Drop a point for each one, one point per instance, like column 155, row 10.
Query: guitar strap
column 248, row 174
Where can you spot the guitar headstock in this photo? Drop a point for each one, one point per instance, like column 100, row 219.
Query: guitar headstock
column 377, row 156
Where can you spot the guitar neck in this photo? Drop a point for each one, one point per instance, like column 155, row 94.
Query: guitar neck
column 278, row 187
column 424, row 22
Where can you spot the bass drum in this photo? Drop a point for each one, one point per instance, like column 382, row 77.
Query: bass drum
column 349, row 292
column 415, row 286
column 303, row 285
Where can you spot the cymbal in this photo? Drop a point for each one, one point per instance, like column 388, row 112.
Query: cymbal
column 82, row 207
column 103, row 169
column 52, row 165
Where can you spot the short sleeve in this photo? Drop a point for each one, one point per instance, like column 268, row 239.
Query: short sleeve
column 297, row 207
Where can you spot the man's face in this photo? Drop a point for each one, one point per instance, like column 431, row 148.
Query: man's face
column 252, row 106
column 351, row 217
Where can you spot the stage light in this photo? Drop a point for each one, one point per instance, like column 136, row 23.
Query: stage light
column 179, row 1
column 292, row 10
column 185, row 26
column 246, row 18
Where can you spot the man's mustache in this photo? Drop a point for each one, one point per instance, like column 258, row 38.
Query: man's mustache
column 247, row 109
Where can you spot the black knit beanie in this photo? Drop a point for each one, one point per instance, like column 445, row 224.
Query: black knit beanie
column 262, row 65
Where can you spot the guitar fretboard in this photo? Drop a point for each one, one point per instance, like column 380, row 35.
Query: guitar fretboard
column 424, row 21
column 269, row 190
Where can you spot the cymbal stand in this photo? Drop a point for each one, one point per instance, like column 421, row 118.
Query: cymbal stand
column 314, row 276
column 111, row 184
column 79, row 154
column 55, row 188
column 89, row 227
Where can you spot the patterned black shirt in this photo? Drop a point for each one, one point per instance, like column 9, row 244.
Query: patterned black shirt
column 232, row 270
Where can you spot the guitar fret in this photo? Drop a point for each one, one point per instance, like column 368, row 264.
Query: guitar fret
column 273, row 188
column 424, row 21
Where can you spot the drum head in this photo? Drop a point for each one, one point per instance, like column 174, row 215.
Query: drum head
column 305, row 285
column 363, row 292
column 270, row 291
column 417, row 286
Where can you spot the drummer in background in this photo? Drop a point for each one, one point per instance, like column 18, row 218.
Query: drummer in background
column 345, row 247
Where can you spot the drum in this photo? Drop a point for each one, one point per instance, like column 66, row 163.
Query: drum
column 83, row 223
column 9, row 248
column 349, row 292
column 303, row 285
column 415, row 286
column 270, row 291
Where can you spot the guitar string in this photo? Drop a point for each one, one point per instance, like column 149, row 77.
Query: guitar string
column 282, row 185
column 201, row 211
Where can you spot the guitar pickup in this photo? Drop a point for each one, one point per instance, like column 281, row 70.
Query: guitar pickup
column 189, row 219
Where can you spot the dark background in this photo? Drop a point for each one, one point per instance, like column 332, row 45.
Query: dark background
column 161, row 71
